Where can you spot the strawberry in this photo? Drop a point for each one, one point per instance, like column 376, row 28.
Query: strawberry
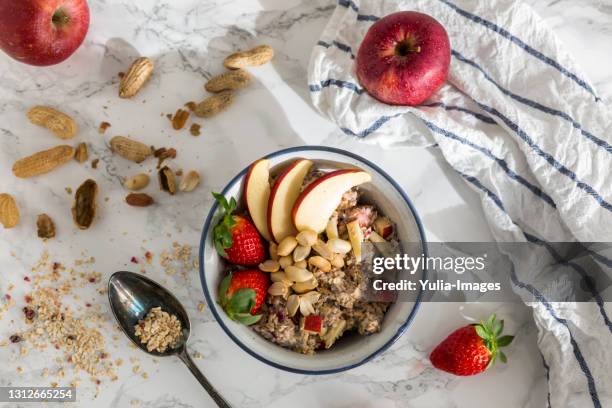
column 471, row 349
column 236, row 238
column 242, row 293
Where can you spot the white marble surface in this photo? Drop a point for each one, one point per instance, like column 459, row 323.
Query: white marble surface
column 188, row 39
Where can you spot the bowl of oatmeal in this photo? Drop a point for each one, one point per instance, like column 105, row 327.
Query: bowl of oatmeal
column 319, row 316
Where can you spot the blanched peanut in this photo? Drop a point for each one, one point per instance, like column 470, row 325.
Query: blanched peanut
column 269, row 266
column 307, row 238
column 280, row 277
column 296, row 274
column 300, row 253
column 320, row 263
column 303, row 287
column 278, row 289
column 337, row 261
column 322, row 249
column 286, row 246
column 285, row 261
column 301, row 264
column 339, row 246
column 293, row 303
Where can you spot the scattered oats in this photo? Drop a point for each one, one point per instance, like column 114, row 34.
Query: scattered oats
column 201, row 306
column 45, row 373
column 54, row 384
column 94, row 163
column 23, row 351
column 19, row 370
column 197, row 355
column 145, row 375
column 68, row 190
column 136, row 369
column 119, row 362
column 135, row 402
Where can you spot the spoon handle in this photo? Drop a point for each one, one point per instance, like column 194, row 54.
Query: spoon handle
column 185, row 358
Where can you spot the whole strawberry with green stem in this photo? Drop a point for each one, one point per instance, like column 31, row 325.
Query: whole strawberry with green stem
column 242, row 293
column 236, row 238
column 472, row 349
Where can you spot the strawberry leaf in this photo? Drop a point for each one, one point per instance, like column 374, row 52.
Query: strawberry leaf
column 223, row 289
column 503, row 357
column 247, row 318
column 482, row 333
column 499, row 328
column 490, row 322
column 504, row 341
column 222, row 232
column 242, row 301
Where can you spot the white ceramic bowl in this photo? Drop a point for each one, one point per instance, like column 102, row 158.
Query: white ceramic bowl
column 352, row 350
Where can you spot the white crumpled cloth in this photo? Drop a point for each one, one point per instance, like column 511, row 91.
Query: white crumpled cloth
column 519, row 121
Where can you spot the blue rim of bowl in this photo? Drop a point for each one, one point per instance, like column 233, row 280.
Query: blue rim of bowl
column 211, row 301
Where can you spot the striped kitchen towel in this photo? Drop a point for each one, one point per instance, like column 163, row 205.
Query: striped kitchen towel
column 521, row 124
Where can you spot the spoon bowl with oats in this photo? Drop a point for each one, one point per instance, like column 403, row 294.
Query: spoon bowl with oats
column 155, row 321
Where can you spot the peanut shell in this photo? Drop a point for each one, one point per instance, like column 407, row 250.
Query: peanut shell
column 214, row 104
column 228, row 81
column 137, row 75
column 130, row 149
column 259, row 55
column 60, row 124
column 9, row 212
column 43, row 162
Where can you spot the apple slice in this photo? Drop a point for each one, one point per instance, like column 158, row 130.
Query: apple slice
column 356, row 236
column 257, row 195
column 318, row 201
column 284, row 192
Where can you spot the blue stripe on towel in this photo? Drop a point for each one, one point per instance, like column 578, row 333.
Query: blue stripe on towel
column 353, row 6
column 547, row 156
column 339, row 45
column 477, row 115
column 540, row 298
column 367, row 17
column 533, row 104
column 336, row 82
column 372, row 128
column 547, row 369
column 482, row 187
column 504, row 33
column 501, row 162
column 575, row 348
column 348, row 4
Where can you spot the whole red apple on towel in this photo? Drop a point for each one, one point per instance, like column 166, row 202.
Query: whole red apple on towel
column 404, row 58
column 42, row 32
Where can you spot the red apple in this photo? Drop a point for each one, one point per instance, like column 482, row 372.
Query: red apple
column 404, row 58
column 42, row 32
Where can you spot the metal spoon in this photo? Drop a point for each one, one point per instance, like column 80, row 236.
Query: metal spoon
column 131, row 296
